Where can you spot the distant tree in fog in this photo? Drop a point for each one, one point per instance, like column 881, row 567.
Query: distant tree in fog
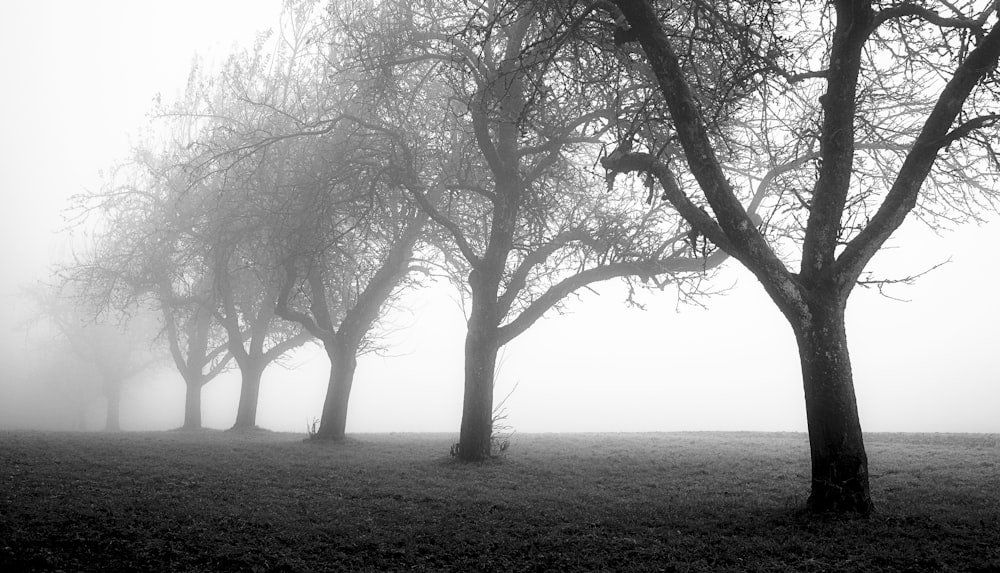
column 252, row 210
column 199, row 351
column 218, row 231
column 186, row 247
column 144, row 253
column 65, row 387
column 116, row 350
column 331, row 224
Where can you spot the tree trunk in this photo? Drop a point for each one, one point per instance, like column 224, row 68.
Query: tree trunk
column 477, row 408
column 839, row 462
column 113, row 395
column 343, row 363
column 192, row 403
column 246, row 412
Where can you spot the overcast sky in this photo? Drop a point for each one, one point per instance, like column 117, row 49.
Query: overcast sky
column 78, row 78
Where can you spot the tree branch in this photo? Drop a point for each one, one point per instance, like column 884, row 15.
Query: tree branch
column 928, row 15
column 358, row 320
column 568, row 285
column 518, row 279
column 966, row 128
column 219, row 366
column 417, row 191
column 173, row 340
column 229, row 316
column 631, row 162
column 839, row 103
column 283, row 310
column 285, row 345
column 744, row 240
column 902, row 196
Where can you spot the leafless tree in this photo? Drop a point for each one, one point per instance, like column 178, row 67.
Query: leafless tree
column 140, row 256
column 307, row 177
column 348, row 243
column 117, row 350
column 488, row 121
column 905, row 123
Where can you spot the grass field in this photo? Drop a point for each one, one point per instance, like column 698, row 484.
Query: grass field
column 268, row 502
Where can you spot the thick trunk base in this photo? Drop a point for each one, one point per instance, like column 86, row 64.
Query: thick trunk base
column 841, row 494
column 246, row 412
column 475, row 438
column 333, row 424
column 837, row 450
column 192, row 406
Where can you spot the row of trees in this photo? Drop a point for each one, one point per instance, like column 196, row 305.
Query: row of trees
column 528, row 149
column 295, row 197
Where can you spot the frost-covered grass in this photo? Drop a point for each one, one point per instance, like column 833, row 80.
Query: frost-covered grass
column 261, row 501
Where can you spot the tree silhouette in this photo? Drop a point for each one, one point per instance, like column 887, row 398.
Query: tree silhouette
column 906, row 121
column 507, row 153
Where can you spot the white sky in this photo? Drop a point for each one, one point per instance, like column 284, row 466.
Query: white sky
column 78, row 78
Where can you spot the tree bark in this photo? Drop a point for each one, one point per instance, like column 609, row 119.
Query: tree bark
column 343, row 363
column 837, row 450
column 192, row 402
column 246, row 412
column 481, row 347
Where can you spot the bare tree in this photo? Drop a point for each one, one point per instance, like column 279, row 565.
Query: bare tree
column 117, row 350
column 324, row 228
column 247, row 282
column 142, row 221
column 347, row 239
column 906, row 122
column 233, row 164
column 485, row 117
column 196, row 346
column 338, row 292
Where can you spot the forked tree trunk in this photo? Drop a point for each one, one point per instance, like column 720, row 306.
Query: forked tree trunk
column 113, row 395
column 839, row 462
column 477, row 407
column 343, row 363
column 192, row 402
column 246, row 412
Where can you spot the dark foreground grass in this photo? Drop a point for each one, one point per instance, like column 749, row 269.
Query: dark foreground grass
column 265, row 502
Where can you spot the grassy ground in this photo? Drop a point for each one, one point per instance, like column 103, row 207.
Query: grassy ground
column 217, row 501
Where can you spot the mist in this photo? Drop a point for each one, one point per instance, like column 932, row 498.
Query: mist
column 85, row 77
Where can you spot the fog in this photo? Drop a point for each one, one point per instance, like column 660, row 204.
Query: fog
column 79, row 78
